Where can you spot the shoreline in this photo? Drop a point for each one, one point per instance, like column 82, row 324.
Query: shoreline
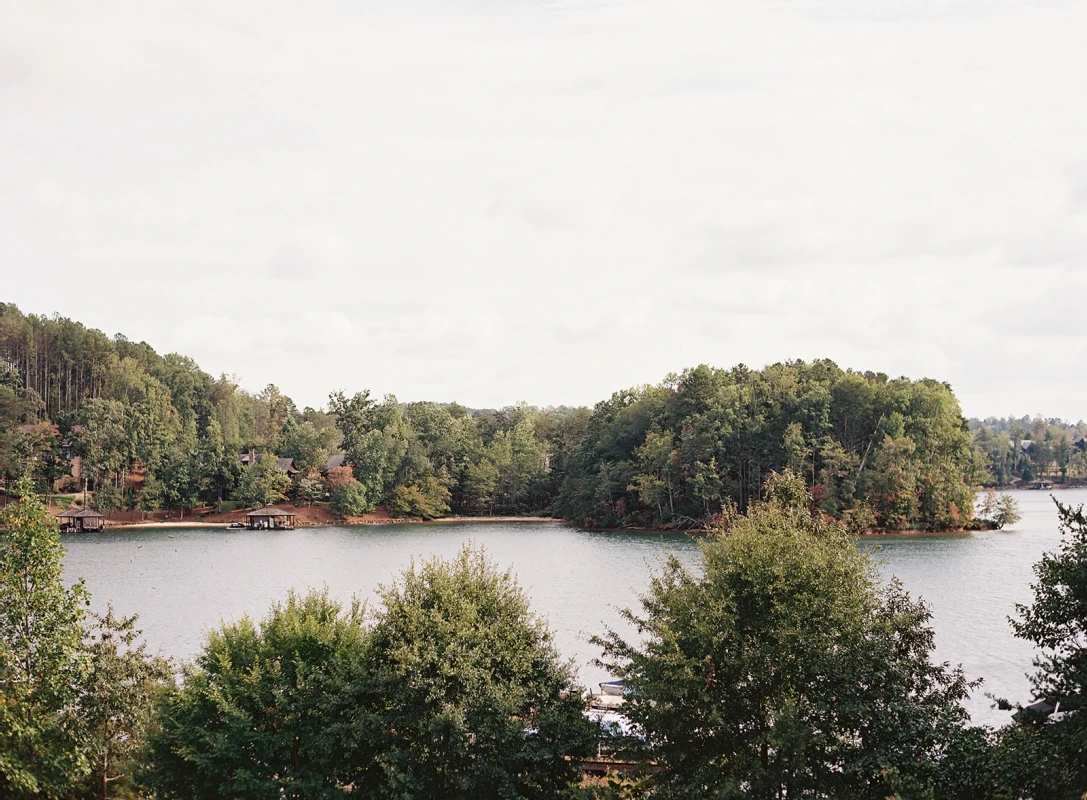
column 696, row 533
column 912, row 532
column 112, row 525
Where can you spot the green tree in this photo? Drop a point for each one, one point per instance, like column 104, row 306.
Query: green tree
column 263, row 483
column 892, row 483
column 426, row 499
column 115, row 703
column 41, row 660
column 1000, row 510
column 215, row 466
column 182, row 480
column 249, row 720
column 478, row 486
column 103, row 442
column 350, row 499
column 308, row 446
column 469, row 697
column 353, row 419
column 1007, row 511
column 107, row 498
column 1056, row 622
column 782, row 669
column 311, row 488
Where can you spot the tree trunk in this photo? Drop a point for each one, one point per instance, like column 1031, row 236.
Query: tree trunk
column 105, row 767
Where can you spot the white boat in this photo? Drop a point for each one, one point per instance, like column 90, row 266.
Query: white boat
column 613, row 723
column 606, row 701
column 614, row 688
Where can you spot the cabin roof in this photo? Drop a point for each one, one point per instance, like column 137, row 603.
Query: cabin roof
column 285, row 464
column 335, row 461
column 81, row 513
column 271, row 511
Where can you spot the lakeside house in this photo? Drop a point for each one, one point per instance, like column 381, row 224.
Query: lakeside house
column 253, row 457
column 270, row 518
column 80, row 520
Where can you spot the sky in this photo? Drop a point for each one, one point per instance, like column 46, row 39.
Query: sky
column 492, row 202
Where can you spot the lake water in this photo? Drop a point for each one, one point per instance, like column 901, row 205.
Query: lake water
column 183, row 581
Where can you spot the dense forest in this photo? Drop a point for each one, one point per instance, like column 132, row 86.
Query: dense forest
column 876, row 452
column 1019, row 451
column 80, row 410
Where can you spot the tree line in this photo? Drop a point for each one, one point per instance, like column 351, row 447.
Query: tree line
column 781, row 666
column 156, row 432
column 1021, row 450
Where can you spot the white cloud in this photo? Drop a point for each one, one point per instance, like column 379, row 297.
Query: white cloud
column 552, row 200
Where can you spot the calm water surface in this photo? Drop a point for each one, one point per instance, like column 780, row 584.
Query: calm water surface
column 183, row 581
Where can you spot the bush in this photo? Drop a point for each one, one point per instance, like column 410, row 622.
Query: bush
column 427, row 499
column 349, row 499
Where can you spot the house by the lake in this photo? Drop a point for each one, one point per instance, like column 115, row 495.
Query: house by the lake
column 334, row 461
column 253, row 457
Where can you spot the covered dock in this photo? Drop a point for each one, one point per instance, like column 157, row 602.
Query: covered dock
column 80, row 520
column 270, row 518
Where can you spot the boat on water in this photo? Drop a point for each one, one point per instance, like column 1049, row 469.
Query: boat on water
column 614, row 688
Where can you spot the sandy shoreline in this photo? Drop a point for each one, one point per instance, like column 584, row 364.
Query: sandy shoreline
column 694, row 532
column 168, row 524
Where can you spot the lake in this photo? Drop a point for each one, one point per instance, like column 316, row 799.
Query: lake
column 182, row 581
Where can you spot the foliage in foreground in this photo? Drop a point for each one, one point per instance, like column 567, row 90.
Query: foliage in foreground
column 473, row 697
column 1056, row 622
column 41, row 661
column 455, row 691
column 247, row 721
column 73, row 703
column 784, row 670
column 116, row 704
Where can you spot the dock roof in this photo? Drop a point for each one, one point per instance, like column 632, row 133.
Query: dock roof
column 271, row 511
column 81, row 513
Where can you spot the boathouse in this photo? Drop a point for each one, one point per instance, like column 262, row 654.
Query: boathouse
column 270, row 518
column 80, row 520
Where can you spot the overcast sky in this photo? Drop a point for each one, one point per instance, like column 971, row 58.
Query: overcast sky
column 496, row 201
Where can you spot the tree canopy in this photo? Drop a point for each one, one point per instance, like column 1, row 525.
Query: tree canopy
column 455, row 691
column 1056, row 622
column 41, row 660
column 876, row 452
column 783, row 668
column 472, row 698
column 73, row 701
column 247, row 721
column 155, row 431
